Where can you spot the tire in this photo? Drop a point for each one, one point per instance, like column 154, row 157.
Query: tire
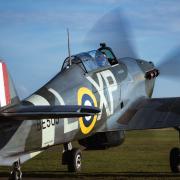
column 14, row 176
column 75, row 160
column 175, row 160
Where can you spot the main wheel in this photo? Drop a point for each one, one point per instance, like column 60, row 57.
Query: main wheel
column 74, row 160
column 175, row 160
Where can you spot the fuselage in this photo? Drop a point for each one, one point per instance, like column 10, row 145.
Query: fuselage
column 113, row 89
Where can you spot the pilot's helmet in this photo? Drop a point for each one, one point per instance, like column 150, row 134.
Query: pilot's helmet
column 101, row 59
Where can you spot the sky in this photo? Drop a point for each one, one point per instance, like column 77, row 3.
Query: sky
column 33, row 39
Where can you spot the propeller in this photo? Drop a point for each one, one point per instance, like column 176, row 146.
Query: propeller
column 114, row 30
column 169, row 67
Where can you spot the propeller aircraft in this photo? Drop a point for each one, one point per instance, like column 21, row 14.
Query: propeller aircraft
column 94, row 99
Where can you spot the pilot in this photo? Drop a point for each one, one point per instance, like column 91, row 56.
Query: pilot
column 101, row 59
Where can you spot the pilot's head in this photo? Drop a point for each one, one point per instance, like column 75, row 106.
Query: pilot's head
column 101, row 59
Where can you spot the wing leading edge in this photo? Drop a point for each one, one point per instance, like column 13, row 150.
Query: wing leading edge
column 152, row 113
column 45, row 112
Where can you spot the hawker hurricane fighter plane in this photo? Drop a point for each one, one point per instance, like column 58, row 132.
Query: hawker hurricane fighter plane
column 94, row 99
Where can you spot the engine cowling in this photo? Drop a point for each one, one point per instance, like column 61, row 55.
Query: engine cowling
column 103, row 140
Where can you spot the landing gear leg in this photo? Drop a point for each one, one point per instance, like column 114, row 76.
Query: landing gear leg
column 175, row 158
column 72, row 157
column 16, row 173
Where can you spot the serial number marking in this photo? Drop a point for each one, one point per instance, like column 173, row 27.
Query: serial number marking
column 46, row 123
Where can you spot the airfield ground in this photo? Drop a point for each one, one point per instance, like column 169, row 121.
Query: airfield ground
column 144, row 154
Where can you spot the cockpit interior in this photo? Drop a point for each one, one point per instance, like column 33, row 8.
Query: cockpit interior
column 92, row 60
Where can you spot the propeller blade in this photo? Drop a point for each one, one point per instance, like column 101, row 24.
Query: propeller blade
column 170, row 66
column 114, row 30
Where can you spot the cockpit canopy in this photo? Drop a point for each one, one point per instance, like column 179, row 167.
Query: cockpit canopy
column 92, row 60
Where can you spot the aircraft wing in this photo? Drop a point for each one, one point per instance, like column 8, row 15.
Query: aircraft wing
column 152, row 114
column 45, row 112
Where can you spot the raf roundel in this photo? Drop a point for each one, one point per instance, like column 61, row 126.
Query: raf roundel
column 87, row 98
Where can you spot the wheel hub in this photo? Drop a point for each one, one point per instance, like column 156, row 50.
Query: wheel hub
column 78, row 161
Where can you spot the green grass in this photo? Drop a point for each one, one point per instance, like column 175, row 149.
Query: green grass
column 142, row 151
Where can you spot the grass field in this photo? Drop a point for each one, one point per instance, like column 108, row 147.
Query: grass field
column 142, row 151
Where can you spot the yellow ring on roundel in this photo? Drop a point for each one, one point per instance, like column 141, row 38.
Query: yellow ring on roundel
column 81, row 92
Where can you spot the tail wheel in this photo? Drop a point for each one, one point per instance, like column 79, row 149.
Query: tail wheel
column 15, row 176
column 175, row 160
column 75, row 160
column 16, row 173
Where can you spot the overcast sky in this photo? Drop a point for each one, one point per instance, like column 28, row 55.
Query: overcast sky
column 33, row 39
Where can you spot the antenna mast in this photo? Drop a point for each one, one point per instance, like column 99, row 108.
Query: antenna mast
column 69, row 50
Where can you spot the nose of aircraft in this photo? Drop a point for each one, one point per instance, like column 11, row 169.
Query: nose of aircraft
column 150, row 73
